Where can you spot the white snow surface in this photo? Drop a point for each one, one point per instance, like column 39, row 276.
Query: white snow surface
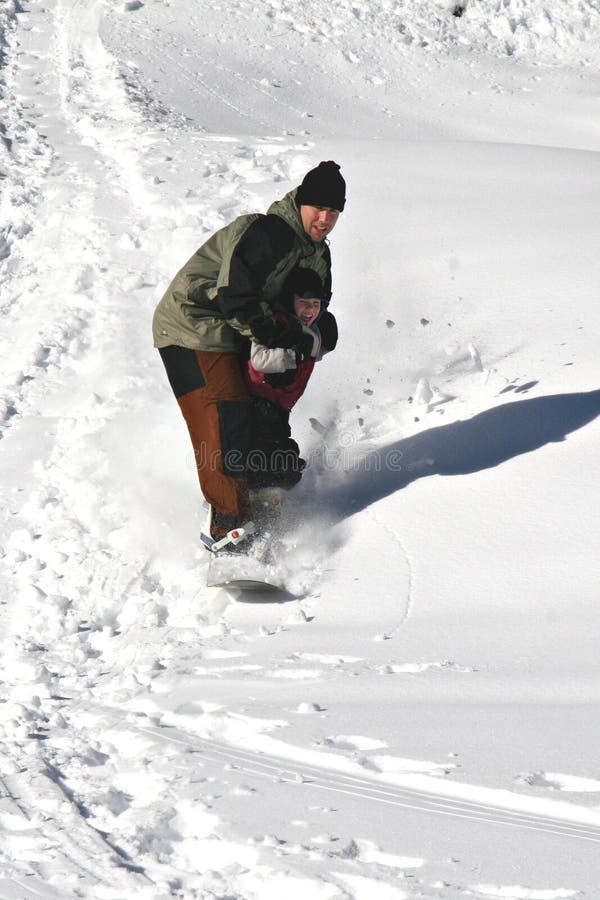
column 417, row 715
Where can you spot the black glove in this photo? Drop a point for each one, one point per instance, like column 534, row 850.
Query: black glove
column 328, row 329
column 305, row 348
column 287, row 334
column 281, row 379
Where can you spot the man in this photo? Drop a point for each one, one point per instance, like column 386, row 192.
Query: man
column 223, row 298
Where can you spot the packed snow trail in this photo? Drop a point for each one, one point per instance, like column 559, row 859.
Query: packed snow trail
column 59, row 222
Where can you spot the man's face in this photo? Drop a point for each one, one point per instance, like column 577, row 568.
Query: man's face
column 318, row 221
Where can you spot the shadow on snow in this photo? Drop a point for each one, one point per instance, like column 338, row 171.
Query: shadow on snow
column 460, row 448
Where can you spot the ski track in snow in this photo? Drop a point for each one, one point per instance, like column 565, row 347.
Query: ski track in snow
column 90, row 624
column 63, row 559
column 431, row 798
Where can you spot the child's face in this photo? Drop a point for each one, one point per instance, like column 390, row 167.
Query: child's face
column 307, row 310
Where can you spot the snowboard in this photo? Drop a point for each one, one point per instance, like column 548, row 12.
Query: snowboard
column 243, row 573
column 257, row 569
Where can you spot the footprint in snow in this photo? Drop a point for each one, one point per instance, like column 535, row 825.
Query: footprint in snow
column 307, row 708
column 351, row 742
column 556, row 781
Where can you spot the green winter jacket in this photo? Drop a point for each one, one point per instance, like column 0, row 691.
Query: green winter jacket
column 227, row 291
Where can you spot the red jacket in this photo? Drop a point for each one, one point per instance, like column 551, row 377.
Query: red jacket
column 284, row 395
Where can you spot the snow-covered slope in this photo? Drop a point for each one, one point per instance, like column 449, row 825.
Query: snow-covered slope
column 418, row 716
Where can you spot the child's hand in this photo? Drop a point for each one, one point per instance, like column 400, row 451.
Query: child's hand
column 308, row 346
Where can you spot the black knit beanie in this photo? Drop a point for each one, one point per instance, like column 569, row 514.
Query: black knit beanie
column 323, row 186
column 301, row 282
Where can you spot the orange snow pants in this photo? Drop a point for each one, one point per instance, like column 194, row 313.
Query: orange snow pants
column 212, row 396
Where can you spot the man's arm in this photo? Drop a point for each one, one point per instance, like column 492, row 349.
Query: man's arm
column 262, row 247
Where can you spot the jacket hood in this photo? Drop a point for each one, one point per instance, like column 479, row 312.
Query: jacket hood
column 287, row 209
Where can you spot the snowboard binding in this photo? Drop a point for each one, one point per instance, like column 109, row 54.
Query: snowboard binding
column 233, row 537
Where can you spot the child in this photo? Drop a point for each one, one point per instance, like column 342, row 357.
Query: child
column 277, row 378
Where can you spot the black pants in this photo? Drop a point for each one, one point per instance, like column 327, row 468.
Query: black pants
column 274, row 457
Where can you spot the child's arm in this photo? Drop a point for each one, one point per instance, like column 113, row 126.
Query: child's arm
column 271, row 359
column 329, row 333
